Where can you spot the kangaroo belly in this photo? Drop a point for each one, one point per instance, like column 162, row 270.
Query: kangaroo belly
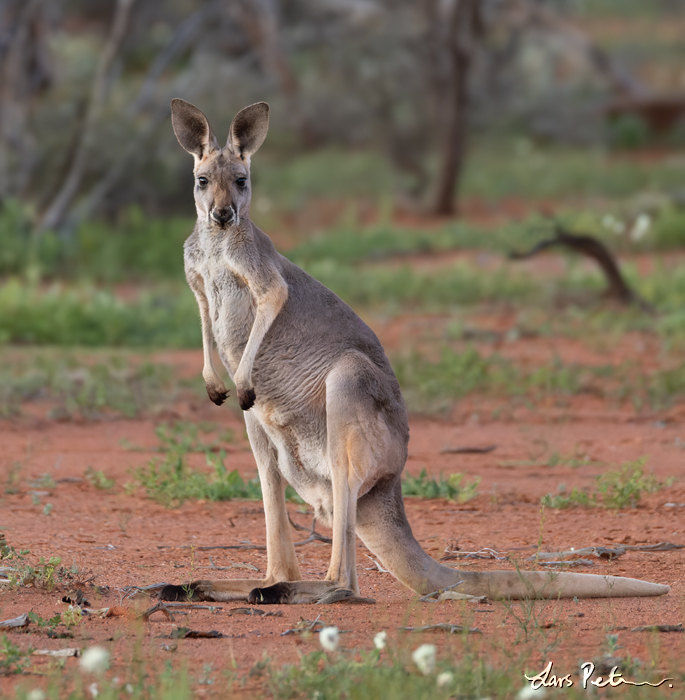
column 302, row 458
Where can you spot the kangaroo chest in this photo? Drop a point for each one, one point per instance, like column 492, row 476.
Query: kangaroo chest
column 231, row 305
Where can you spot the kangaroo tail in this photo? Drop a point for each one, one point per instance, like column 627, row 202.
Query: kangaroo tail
column 383, row 527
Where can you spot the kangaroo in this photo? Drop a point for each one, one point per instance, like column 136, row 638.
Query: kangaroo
column 322, row 406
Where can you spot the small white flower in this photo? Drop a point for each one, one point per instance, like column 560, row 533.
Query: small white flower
column 424, row 658
column 36, row 694
column 640, row 227
column 380, row 640
column 530, row 693
column 93, row 690
column 445, row 679
column 128, row 688
column 613, row 224
column 94, row 660
column 329, row 638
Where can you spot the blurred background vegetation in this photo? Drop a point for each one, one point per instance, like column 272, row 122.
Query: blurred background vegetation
column 400, row 128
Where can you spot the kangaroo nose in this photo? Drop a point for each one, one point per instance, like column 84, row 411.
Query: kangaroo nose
column 223, row 216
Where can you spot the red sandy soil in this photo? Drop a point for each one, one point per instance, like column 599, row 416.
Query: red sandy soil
column 128, row 540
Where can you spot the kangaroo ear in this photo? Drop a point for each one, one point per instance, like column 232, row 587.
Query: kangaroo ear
column 248, row 130
column 192, row 128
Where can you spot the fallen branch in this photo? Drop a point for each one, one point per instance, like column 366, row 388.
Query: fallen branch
column 590, row 247
column 442, row 627
column 599, row 552
column 212, row 565
column 58, row 653
column 259, row 612
column 164, row 606
column 568, row 562
column 485, row 553
column 312, row 532
column 15, row 622
column 185, row 633
column 305, row 626
column 132, row 591
column 439, row 592
column 659, row 628
column 160, row 607
column 468, row 450
column 378, row 565
column 659, row 547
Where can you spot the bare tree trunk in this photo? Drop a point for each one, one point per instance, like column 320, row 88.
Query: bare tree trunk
column 187, row 34
column 24, row 72
column 454, row 28
column 260, row 20
column 58, row 207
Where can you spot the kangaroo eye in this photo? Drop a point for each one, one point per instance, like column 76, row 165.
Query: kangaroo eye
column 202, row 181
column 241, row 182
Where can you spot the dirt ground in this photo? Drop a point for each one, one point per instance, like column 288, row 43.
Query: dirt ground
column 125, row 539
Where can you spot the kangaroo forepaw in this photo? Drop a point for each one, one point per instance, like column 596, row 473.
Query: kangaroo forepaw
column 246, row 398
column 217, row 395
column 186, row 593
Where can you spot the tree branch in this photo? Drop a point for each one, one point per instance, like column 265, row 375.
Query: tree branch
column 57, row 209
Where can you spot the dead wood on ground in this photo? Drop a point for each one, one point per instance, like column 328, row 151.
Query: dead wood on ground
column 617, row 288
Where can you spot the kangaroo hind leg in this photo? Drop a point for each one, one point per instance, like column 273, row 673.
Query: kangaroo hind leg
column 355, row 435
column 281, row 560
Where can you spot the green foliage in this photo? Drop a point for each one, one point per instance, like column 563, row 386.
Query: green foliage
column 12, row 658
column 134, row 247
column 451, row 488
column 620, row 488
column 135, row 683
column 46, row 573
column 85, row 315
column 367, row 676
column 560, row 500
column 519, row 168
column 431, row 386
column 629, row 131
column 99, row 480
column 42, row 623
column 401, row 287
column 83, row 387
column 170, row 480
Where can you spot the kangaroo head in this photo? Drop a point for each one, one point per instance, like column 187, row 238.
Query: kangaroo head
column 222, row 175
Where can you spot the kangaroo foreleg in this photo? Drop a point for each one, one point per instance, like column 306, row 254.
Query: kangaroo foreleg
column 216, row 389
column 270, row 291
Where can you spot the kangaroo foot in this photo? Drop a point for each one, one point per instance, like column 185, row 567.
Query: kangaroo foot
column 299, row 592
column 189, row 593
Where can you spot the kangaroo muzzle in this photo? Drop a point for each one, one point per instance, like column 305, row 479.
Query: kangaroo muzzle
column 224, row 216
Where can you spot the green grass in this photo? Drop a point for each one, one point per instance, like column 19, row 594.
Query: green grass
column 345, row 674
column 81, row 314
column 171, row 480
column 620, row 488
column 83, row 387
column 518, row 168
column 431, row 385
column 453, row 488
